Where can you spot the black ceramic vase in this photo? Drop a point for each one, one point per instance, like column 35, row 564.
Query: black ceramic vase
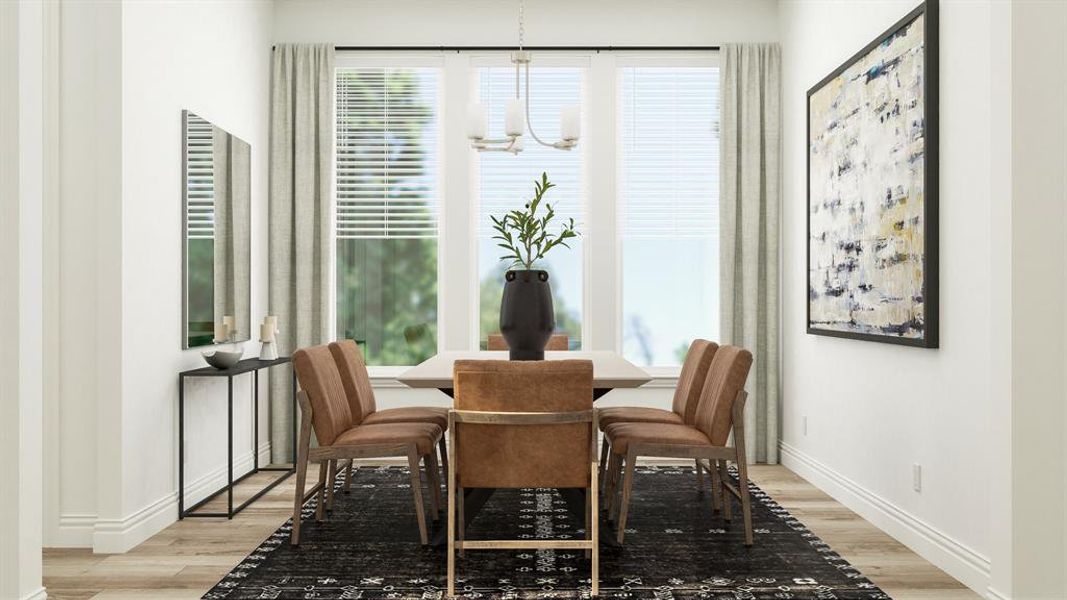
column 526, row 315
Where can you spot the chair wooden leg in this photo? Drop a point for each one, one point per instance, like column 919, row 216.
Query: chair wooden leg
column 416, row 491
column 298, row 501
column 461, row 516
column 742, row 479
column 450, row 574
column 615, row 476
column 727, row 501
column 320, row 508
column 610, row 488
column 716, row 485
column 331, row 477
column 589, row 514
column 627, row 488
column 433, row 479
column 700, row 477
column 746, row 502
column 594, row 535
column 443, row 447
column 604, row 448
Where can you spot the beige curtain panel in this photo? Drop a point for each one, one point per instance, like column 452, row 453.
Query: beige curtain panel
column 300, row 248
column 750, row 194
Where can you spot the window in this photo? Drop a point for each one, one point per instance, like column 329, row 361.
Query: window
column 668, row 186
column 386, row 220
column 506, row 182
column 417, row 270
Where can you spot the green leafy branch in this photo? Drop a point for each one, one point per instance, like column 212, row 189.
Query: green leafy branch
column 526, row 236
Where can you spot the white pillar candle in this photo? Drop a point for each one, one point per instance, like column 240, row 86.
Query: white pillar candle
column 514, row 123
column 476, row 121
column 570, row 122
column 266, row 333
column 272, row 321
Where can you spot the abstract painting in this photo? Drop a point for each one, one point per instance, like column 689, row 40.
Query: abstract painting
column 872, row 190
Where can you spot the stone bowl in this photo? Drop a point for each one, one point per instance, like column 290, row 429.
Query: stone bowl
column 223, row 359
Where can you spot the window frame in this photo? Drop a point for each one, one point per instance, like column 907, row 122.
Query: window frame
column 389, row 59
column 458, row 180
column 630, row 59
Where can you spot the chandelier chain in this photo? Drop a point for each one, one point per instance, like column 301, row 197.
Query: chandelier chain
column 522, row 22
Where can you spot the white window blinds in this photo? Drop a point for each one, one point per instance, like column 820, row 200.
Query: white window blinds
column 669, row 151
column 387, row 157
column 506, row 181
column 200, row 182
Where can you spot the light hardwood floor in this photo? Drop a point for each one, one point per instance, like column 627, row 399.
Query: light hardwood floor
column 187, row 558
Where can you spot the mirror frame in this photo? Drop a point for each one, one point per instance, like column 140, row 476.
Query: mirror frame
column 185, row 239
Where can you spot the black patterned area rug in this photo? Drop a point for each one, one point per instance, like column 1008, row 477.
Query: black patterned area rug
column 675, row 548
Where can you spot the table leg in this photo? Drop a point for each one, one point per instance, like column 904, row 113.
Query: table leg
column 255, row 420
column 229, row 446
column 181, row 447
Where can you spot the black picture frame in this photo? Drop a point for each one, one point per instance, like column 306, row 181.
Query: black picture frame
column 930, row 337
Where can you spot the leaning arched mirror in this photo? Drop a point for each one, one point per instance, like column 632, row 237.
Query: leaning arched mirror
column 216, row 196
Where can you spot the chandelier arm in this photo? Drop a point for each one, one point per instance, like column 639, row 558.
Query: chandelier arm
column 529, row 121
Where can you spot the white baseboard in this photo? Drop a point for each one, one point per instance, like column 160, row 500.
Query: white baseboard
column 38, row 594
column 73, row 531
column 115, row 536
column 993, row 594
column 947, row 553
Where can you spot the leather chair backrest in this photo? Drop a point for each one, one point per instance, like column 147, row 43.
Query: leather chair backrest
column 518, row 456
column 691, row 379
column 318, row 376
column 558, row 341
column 354, row 377
column 726, row 378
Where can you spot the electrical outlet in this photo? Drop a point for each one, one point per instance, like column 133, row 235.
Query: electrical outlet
column 917, row 477
column 805, row 425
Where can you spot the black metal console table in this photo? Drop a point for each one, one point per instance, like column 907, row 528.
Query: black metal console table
column 249, row 365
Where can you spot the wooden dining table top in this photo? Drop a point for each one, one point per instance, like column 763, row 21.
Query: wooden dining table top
column 610, row 370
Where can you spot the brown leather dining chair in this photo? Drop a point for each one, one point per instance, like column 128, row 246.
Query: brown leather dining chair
column 325, row 407
column 356, row 381
column 558, row 341
column 720, row 411
column 684, row 407
column 522, row 424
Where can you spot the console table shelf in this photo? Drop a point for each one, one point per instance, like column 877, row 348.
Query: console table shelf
column 249, row 365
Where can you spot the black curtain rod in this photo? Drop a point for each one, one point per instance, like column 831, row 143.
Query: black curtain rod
column 531, row 48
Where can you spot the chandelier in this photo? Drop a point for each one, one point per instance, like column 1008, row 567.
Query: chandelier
column 517, row 113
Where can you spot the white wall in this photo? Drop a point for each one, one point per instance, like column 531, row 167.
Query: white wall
column 983, row 415
column 211, row 58
column 128, row 69
column 1039, row 299
column 873, row 410
column 22, row 189
column 548, row 22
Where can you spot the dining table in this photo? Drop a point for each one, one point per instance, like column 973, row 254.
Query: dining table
column 610, row 371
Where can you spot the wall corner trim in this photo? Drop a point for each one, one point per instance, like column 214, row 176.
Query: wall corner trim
column 38, row 594
column 116, row 536
column 945, row 552
column 993, row 594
